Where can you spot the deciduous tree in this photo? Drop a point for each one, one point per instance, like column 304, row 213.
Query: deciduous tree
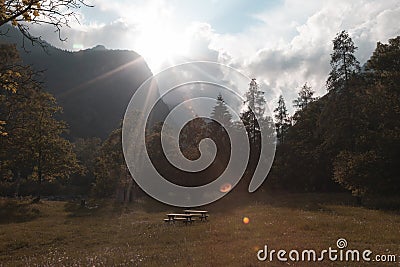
column 34, row 147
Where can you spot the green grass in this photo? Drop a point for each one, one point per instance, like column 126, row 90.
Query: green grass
column 63, row 234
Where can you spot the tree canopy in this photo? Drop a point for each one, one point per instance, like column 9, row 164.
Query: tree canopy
column 34, row 147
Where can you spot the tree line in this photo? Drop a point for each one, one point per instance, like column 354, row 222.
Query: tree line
column 348, row 139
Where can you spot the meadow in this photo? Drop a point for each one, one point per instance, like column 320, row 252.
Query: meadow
column 57, row 233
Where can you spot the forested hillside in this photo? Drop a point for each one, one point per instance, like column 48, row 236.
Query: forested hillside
column 350, row 137
column 92, row 86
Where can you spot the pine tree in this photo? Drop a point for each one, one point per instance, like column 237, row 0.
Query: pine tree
column 370, row 167
column 221, row 113
column 306, row 96
column 282, row 121
column 255, row 103
column 218, row 131
column 343, row 62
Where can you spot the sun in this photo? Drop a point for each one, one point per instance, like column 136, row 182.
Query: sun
column 160, row 45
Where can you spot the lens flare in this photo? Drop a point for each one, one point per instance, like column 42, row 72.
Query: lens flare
column 182, row 85
column 225, row 188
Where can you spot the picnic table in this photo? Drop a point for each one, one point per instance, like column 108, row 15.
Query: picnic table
column 202, row 214
column 187, row 217
column 173, row 217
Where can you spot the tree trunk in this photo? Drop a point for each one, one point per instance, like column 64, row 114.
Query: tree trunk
column 128, row 193
column 345, row 70
column 359, row 200
column 40, row 174
column 129, row 186
column 18, row 184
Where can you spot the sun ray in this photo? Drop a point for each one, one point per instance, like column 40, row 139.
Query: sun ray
column 98, row 78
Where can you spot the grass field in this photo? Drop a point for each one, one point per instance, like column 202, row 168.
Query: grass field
column 63, row 234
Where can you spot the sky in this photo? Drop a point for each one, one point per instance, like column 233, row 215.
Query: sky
column 281, row 43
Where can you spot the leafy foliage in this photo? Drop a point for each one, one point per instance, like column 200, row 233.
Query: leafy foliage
column 86, row 150
column 10, row 74
column 34, row 147
column 110, row 166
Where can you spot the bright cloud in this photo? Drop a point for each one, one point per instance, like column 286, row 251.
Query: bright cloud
column 283, row 44
column 294, row 43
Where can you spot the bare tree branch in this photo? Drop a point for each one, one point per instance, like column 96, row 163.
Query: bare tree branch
column 22, row 13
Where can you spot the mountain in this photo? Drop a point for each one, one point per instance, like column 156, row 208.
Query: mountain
column 93, row 86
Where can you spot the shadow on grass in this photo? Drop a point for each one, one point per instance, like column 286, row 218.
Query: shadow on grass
column 92, row 208
column 17, row 211
column 298, row 201
column 150, row 205
column 388, row 204
column 309, row 201
column 97, row 208
column 237, row 199
column 319, row 202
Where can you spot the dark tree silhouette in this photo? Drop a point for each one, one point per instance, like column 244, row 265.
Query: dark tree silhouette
column 282, row 120
column 343, row 62
column 255, row 103
column 306, row 96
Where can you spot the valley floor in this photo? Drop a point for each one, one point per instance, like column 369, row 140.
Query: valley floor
column 55, row 233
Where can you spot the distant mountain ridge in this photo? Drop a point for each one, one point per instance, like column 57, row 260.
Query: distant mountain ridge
column 93, row 86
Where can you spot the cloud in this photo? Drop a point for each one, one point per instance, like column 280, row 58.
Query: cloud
column 112, row 35
column 289, row 45
column 294, row 43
